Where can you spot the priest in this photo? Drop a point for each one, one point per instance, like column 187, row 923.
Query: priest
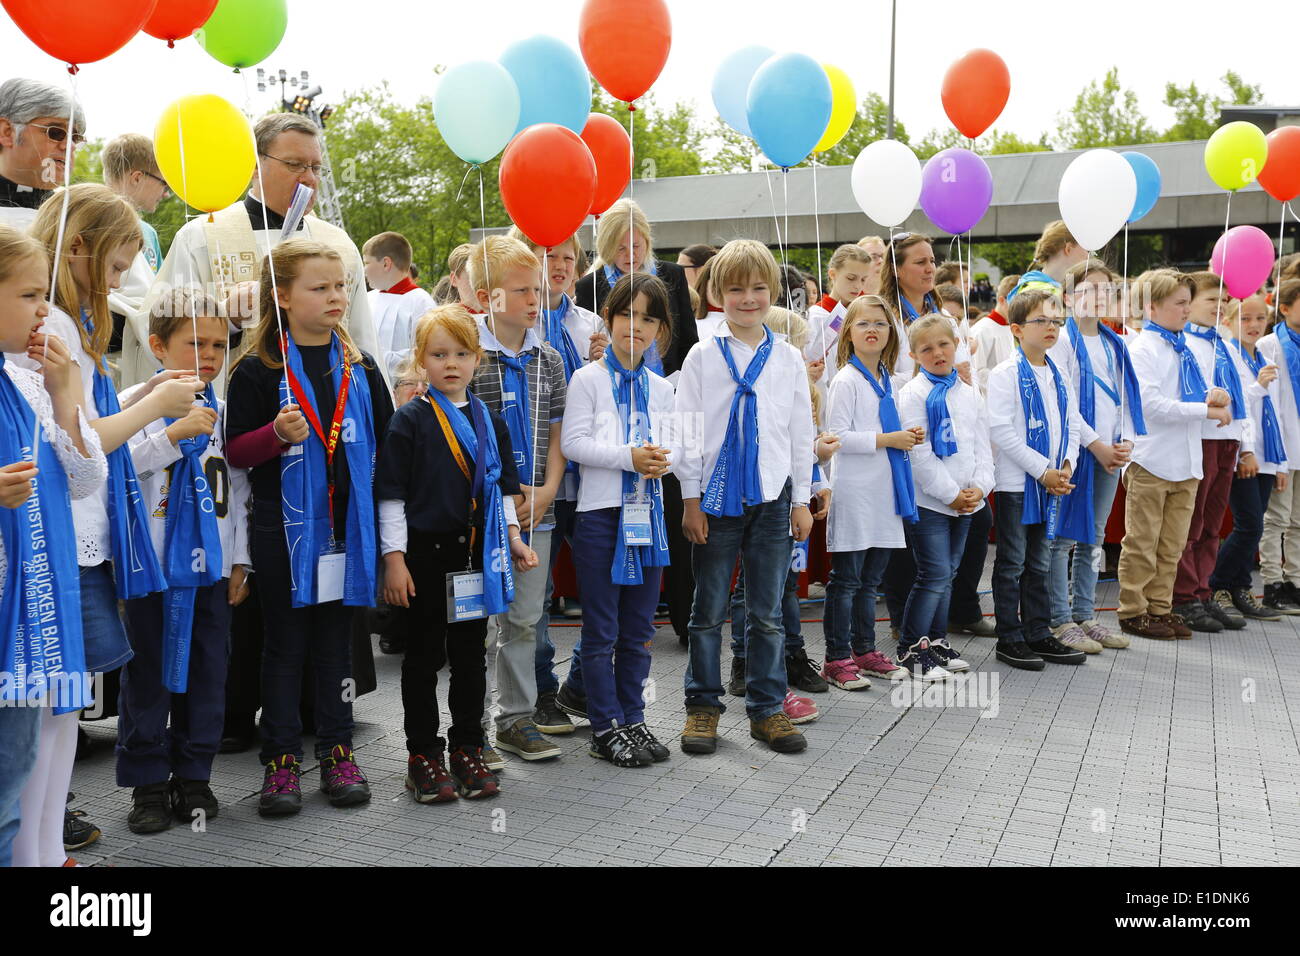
column 33, row 146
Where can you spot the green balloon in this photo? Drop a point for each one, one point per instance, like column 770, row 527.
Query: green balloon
column 243, row 33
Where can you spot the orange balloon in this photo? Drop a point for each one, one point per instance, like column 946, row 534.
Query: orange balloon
column 547, row 180
column 975, row 89
column 1280, row 176
column 174, row 20
column 79, row 31
column 625, row 44
column 612, row 150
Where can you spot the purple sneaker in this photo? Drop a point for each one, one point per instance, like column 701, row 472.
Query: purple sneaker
column 876, row 664
column 281, row 794
column 341, row 778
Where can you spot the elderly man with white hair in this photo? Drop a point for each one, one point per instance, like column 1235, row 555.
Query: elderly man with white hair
column 33, row 146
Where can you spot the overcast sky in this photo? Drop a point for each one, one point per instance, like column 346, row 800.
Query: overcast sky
column 347, row 45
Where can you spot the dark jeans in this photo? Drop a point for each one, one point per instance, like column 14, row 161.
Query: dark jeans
column 618, row 624
column 432, row 642
column 937, row 541
column 147, row 750
column 789, row 614
column 964, row 608
column 1021, row 605
column 547, row 683
column 1248, row 500
column 679, row 579
column 851, row 601
column 899, row 579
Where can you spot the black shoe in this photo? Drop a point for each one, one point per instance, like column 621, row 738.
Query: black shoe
column 78, row 832
column 642, row 737
column 392, row 644
column 1021, row 655
column 236, row 739
column 190, row 797
column 85, row 746
column 151, row 809
column 1054, row 652
column 1228, row 617
column 802, row 674
column 571, row 702
column 1197, row 618
column 549, row 718
column 1292, row 593
column 1277, row 599
column 736, row 686
column 981, row 627
column 617, row 746
column 1245, row 603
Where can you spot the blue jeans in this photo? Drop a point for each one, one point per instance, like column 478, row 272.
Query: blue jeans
column 19, row 732
column 1020, row 566
column 761, row 538
column 938, row 541
column 1248, row 500
column 851, row 596
column 107, row 648
column 789, row 614
column 1081, row 573
column 547, row 683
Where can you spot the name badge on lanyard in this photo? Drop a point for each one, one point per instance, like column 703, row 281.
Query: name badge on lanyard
column 465, row 600
column 636, row 520
column 330, row 569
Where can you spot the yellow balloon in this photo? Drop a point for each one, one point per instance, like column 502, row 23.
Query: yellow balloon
column 215, row 142
column 1235, row 154
column 844, row 108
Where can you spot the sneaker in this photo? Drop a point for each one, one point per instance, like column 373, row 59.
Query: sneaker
column 844, row 675
column 737, row 684
column 1196, row 617
column 1277, row 599
column 281, row 791
column 982, row 627
column 341, row 778
column 1292, row 592
column 523, row 739
column 701, row 733
column 1246, row 605
column 617, row 746
column 78, row 832
column 876, row 664
column 920, row 661
column 549, row 718
column 1054, row 652
column 947, row 656
column 778, row 733
column 1144, row 625
column 1072, row 635
column 1020, row 655
column 1228, row 617
column 192, row 797
column 474, row 779
column 570, row 701
column 1176, row 623
column 428, row 780
column 800, row 710
column 816, row 591
column 493, row 760
column 1102, row 635
column 801, row 673
column 392, row 644
column 647, row 741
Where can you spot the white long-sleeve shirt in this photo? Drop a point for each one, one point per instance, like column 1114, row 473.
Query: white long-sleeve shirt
column 939, row 480
column 1171, row 448
column 994, row 345
column 1284, row 398
column 1237, row 429
column 862, row 511
column 1254, row 393
column 1012, row 456
column 395, row 317
column 1106, row 412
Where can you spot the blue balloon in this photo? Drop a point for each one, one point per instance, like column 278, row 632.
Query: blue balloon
column 476, row 108
column 554, row 85
column 731, row 85
column 789, row 106
column 1148, row 180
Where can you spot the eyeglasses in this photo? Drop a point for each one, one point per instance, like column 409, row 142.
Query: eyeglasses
column 1055, row 323
column 58, row 134
column 159, row 180
column 298, row 168
column 871, row 326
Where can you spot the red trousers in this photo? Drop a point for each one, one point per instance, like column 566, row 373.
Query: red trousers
column 1218, row 464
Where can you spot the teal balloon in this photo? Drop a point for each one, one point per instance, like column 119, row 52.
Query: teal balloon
column 788, row 107
column 554, row 85
column 731, row 85
column 476, row 109
column 243, row 33
column 1148, row 179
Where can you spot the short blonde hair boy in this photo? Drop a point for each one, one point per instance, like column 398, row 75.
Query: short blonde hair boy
column 739, row 261
column 180, row 306
column 573, row 243
column 492, row 258
column 124, row 155
column 1155, row 285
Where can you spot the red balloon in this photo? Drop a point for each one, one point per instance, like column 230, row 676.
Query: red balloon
column 625, row 44
column 548, row 180
column 975, row 89
column 611, row 148
column 1280, row 176
column 80, row 31
column 174, row 20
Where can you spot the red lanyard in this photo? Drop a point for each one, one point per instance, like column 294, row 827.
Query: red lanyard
column 331, row 442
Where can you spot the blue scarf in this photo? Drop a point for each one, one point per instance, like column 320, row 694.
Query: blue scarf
column 479, row 440
column 726, row 495
column 304, row 487
column 1039, row 505
column 1191, row 384
column 900, row 463
column 41, row 644
column 1274, row 450
column 1034, row 278
column 653, row 361
column 135, row 565
column 191, row 552
column 514, row 381
column 1290, row 343
column 1226, row 376
column 909, row 310
column 632, row 399
column 558, row 337
column 938, row 420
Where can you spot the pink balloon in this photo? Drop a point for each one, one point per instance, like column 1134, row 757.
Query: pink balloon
column 1243, row 256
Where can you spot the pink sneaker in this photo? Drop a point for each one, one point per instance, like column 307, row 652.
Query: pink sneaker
column 800, row 710
column 844, row 675
column 876, row 664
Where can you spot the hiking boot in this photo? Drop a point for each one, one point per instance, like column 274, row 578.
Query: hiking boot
column 617, row 746
column 778, row 733
column 1054, row 652
column 844, row 675
column 1196, row 617
column 1018, row 654
column 427, row 780
column 981, row 627
column 523, row 739
column 571, row 702
column 947, row 656
column 192, row 797
column 281, row 790
column 341, row 778
column 78, row 832
column 1176, row 623
column 920, row 661
column 1103, row 635
column 493, row 760
column 876, row 664
column 1144, row 625
column 1074, row 636
column 1246, row 605
column 1228, row 617
column 801, row 673
column 701, row 733
column 647, row 741
column 473, row 778
column 1277, row 599
column 549, row 718
column 800, row 710
column 737, row 685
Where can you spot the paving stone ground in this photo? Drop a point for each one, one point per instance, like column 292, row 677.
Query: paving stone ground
column 1169, row 753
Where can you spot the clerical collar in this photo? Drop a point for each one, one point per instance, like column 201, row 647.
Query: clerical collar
column 13, row 195
column 256, row 210
column 401, row 287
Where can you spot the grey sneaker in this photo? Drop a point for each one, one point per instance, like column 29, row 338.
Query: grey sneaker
column 1072, row 635
column 523, row 739
column 549, row 718
column 1106, row 638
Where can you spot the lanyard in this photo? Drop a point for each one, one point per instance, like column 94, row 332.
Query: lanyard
column 459, row 455
column 331, row 442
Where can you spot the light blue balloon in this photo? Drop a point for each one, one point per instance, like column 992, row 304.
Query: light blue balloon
column 731, row 85
column 554, row 85
column 789, row 105
column 476, row 109
column 1148, row 180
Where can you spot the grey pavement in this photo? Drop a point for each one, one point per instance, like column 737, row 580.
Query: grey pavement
column 1178, row 753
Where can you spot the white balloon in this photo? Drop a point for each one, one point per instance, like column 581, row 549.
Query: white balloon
column 886, row 181
column 1096, row 196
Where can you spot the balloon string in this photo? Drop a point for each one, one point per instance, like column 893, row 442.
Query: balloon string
column 817, row 228
column 1223, row 266
column 776, row 220
column 1281, row 238
column 275, row 290
column 631, row 218
column 526, row 536
column 785, row 199
column 185, row 186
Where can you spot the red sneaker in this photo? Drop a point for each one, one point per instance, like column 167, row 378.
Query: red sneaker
column 473, row 778
column 428, row 780
column 800, row 710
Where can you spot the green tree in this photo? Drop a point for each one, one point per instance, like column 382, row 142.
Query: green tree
column 1104, row 114
column 995, row 144
column 1196, row 113
column 871, row 124
column 666, row 141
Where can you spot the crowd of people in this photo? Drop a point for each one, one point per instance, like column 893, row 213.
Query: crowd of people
column 222, row 467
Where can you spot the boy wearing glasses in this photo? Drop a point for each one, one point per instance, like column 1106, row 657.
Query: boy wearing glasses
column 33, row 146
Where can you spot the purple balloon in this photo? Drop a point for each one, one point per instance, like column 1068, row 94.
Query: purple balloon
column 956, row 189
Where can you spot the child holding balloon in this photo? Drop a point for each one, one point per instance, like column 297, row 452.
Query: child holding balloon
column 1279, row 566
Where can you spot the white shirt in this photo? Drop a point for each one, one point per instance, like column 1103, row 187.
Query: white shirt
column 1284, row 398
column 707, row 327
column 1104, row 369
column 1204, row 352
column 594, row 434
column 152, row 453
column 940, row 480
column 1254, row 394
column 785, row 424
column 1012, row 456
column 862, row 510
column 907, row 365
column 395, row 317
column 994, row 345
column 1171, row 448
